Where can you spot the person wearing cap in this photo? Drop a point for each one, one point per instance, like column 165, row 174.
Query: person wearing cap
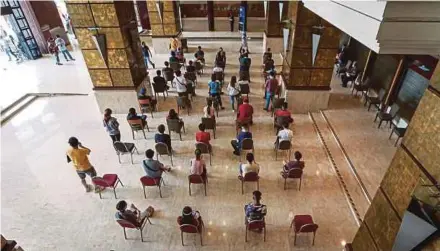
column 132, row 215
column 78, row 155
column 245, row 112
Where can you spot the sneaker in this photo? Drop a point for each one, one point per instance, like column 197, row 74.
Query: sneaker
column 72, row 59
column 154, row 66
column 89, row 188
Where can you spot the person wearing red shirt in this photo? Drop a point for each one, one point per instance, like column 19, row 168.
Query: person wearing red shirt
column 202, row 136
column 270, row 89
column 283, row 112
column 245, row 111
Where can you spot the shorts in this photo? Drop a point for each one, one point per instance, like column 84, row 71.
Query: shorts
column 90, row 172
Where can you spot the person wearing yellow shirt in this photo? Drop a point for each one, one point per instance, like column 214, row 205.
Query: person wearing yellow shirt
column 78, row 155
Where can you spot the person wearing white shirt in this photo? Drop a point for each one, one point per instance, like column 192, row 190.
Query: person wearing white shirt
column 233, row 91
column 250, row 167
column 62, row 47
column 217, row 69
column 285, row 134
column 180, row 83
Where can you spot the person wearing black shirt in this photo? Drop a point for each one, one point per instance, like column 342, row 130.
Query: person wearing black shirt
column 159, row 80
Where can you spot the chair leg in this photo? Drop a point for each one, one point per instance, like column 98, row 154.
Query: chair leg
column 131, row 156
column 285, row 183
column 201, row 241
column 264, row 237
column 145, row 195
column 100, row 196
column 114, row 191
column 258, row 185
column 276, row 154
column 395, row 143
column 142, row 237
column 245, row 236
column 380, row 123
column 314, row 234
column 375, row 118
column 205, row 187
column 146, row 124
column 125, row 234
column 143, row 131
column 132, row 134
column 171, row 157
column 242, row 185
column 181, row 237
column 294, row 241
column 214, row 132
column 210, row 159
column 300, row 181
column 180, row 135
column 160, row 192
column 189, row 188
column 119, row 158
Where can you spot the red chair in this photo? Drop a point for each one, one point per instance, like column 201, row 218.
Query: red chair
column 304, row 224
column 190, row 229
column 256, row 224
column 196, row 179
column 249, row 177
column 151, row 182
column 294, row 173
column 146, row 104
column 126, row 224
column 108, row 180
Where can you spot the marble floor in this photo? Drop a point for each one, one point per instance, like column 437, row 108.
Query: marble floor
column 44, row 206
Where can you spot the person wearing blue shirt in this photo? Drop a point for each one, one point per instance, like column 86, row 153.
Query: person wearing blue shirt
column 161, row 137
column 214, row 90
column 236, row 143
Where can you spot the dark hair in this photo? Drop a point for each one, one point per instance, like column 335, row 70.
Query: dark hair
column 161, row 128
column 190, row 62
column 213, row 78
column 209, row 102
column 221, row 48
column 250, row 157
column 178, row 73
column 233, row 80
column 132, row 111
column 143, row 43
column 268, row 49
column 272, row 73
column 284, row 105
column 173, row 54
column 166, row 63
column 298, row 155
column 198, row 153
column 73, row 142
column 158, row 72
column 58, row 35
column 286, row 125
column 187, row 217
column 149, row 153
column 121, row 206
column 172, row 114
column 108, row 111
column 202, row 127
column 199, row 47
column 257, row 195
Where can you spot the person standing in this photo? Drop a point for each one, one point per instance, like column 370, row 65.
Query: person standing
column 215, row 90
column 78, row 155
column 62, row 47
column 231, row 20
column 270, row 89
column 111, row 125
column 233, row 92
column 53, row 49
column 147, row 55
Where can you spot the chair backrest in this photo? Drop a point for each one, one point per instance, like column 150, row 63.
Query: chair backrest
column 125, row 223
column 195, row 179
column 159, row 87
column 188, row 228
column 295, row 173
column 168, row 75
column 394, row 109
column 98, row 181
column 284, row 145
column 219, row 76
column 251, row 176
column 256, row 224
column 203, row 147
column 161, row 148
column 148, row 181
column 247, row 144
column 244, row 88
column 135, row 124
column 308, row 228
column 175, row 66
column 120, row 147
column 174, row 125
column 144, row 102
column 280, row 120
column 198, row 65
column 278, row 103
column 191, row 76
column 209, row 123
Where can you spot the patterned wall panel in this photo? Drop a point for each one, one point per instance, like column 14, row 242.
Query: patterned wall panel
column 105, row 15
column 306, row 17
column 84, row 36
column 325, row 58
column 113, row 37
column 362, row 240
column 321, row 77
column 154, row 18
column 168, row 6
column 303, row 37
column 93, row 59
column 80, row 14
column 151, row 5
column 121, row 77
column 302, row 58
column 100, row 78
column 299, row 77
column 382, row 222
column 169, row 29
column 330, row 37
column 423, row 135
column 168, row 18
column 117, row 58
column 157, row 29
column 400, row 180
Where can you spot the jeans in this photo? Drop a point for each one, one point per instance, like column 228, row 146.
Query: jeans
column 235, row 145
column 218, row 97
column 268, row 98
column 66, row 54
column 57, row 57
column 146, row 60
column 232, row 99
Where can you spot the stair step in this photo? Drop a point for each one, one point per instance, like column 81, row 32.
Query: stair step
column 17, row 107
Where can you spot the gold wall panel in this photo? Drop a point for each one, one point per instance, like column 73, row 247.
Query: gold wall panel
column 80, row 15
column 303, row 37
column 307, row 17
column 325, row 58
column 168, row 6
column 299, row 77
column 76, row 1
column 121, row 77
column 435, row 79
column 84, row 36
column 101, row 1
column 321, row 77
column 93, row 59
column 400, row 180
column 382, row 222
column 423, row 135
column 154, row 18
column 105, row 14
column 157, row 29
column 168, row 18
column 169, row 29
column 330, row 38
column 362, row 241
column 302, row 58
column 117, row 58
column 151, row 5
column 113, row 37
column 100, row 78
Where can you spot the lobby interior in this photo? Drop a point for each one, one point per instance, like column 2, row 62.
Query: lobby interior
column 364, row 190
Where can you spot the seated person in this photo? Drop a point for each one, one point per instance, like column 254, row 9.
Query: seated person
column 200, row 55
column 190, row 217
column 159, row 80
column 180, row 82
column 190, row 67
column 283, row 112
column 167, row 68
column 198, row 165
column 153, row 168
column 202, row 136
column 284, row 134
column 245, row 112
column 208, row 110
column 350, row 75
column 269, row 65
column 132, row 215
column 297, row 163
column 266, row 55
column 236, row 143
column 161, row 137
column 173, row 58
column 132, row 115
column 142, row 95
column 250, row 167
column 255, row 210
column 172, row 114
